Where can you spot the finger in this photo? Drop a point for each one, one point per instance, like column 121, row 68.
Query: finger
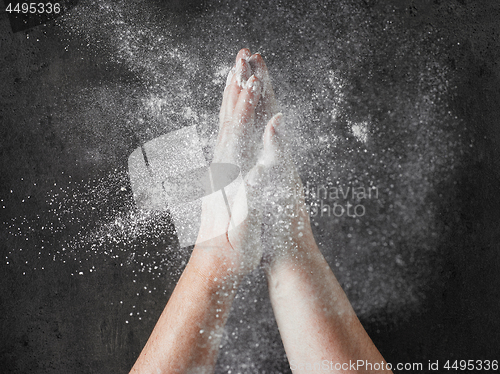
column 230, row 96
column 248, row 99
column 244, row 53
column 272, row 148
column 230, row 77
column 268, row 106
column 244, row 73
column 258, row 65
column 232, row 91
column 259, row 69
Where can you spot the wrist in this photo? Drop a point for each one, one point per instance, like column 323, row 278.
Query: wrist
column 299, row 255
column 217, row 266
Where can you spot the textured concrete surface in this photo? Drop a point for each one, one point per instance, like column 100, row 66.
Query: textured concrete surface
column 402, row 96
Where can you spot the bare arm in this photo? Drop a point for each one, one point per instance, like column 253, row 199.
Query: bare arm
column 315, row 319
column 314, row 316
column 187, row 335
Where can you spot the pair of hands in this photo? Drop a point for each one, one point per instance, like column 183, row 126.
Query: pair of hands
column 276, row 223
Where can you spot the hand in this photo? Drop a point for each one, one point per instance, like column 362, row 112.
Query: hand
column 239, row 139
column 236, row 142
column 272, row 191
column 286, row 220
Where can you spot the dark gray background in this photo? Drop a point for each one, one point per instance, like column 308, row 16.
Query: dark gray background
column 84, row 276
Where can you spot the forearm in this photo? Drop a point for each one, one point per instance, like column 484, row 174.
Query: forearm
column 187, row 335
column 315, row 318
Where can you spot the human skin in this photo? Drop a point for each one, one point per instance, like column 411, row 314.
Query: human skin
column 314, row 316
column 187, row 335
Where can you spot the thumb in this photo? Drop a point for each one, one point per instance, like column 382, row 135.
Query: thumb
column 273, row 151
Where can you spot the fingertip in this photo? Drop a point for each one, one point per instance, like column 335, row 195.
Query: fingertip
column 256, row 57
column 243, row 72
column 257, row 64
column 244, row 53
column 254, row 85
column 276, row 120
column 269, row 134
